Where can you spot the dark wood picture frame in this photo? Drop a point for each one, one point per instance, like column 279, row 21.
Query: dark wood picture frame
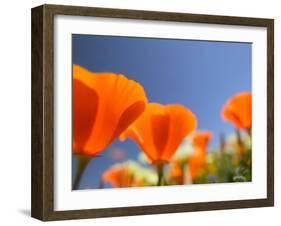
column 42, row 203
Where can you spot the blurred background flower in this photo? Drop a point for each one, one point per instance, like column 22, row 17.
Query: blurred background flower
column 129, row 174
column 117, row 154
column 197, row 161
column 238, row 110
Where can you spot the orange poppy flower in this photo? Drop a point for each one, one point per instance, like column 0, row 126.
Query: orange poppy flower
column 176, row 172
column 160, row 130
column 197, row 161
column 201, row 140
column 118, row 176
column 104, row 105
column 238, row 110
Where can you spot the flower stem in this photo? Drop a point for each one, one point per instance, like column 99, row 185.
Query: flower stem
column 222, row 143
column 160, row 168
column 249, row 131
column 240, row 142
column 82, row 162
column 239, row 139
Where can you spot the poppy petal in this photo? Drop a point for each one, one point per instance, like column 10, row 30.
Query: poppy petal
column 84, row 114
column 117, row 176
column 128, row 117
column 120, row 102
column 160, row 127
column 160, row 130
column 183, row 122
column 201, row 139
column 238, row 110
column 141, row 132
column 197, row 161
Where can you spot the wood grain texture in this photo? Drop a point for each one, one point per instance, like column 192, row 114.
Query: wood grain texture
column 42, row 113
column 37, row 158
column 270, row 111
column 43, row 107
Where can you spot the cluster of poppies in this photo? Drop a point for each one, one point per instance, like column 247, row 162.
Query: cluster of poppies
column 108, row 106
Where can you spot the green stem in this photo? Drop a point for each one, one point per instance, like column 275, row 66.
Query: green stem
column 82, row 162
column 249, row 131
column 160, row 168
column 239, row 137
column 222, row 142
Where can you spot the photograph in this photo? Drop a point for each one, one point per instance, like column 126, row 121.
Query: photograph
column 138, row 112
column 160, row 112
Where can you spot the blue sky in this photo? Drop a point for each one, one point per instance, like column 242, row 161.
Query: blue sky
column 201, row 75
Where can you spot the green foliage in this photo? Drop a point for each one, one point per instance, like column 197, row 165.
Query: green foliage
column 232, row 162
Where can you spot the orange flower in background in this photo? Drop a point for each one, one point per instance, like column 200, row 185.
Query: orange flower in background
column 201, row 140
column 238, row 110
column 104, row 105
column 160, row 130
column 118, row 177
column 176, row 172
column 121, row 177
column 197, row 161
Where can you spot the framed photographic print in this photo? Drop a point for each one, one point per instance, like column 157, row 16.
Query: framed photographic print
column 141, row 112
